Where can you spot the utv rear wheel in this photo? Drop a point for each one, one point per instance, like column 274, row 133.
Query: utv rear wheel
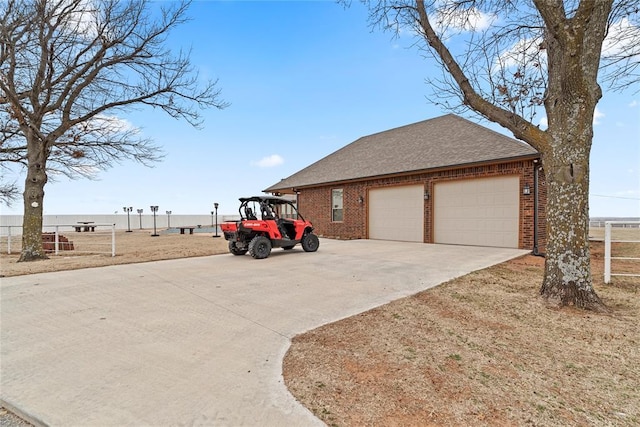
column 260, row 247
column 310, row 242
column 234, row 249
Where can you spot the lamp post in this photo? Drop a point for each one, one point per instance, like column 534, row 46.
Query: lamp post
column 212, row 219
column 215, row 206
column 140, row 215
column 128, row 210
column 168, row 219
column 154, row 209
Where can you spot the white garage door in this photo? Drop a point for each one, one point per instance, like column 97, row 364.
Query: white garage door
column 397, row 213
column 479, row 212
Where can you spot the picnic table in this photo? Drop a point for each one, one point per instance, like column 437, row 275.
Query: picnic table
column 85, row 226
column 186, row 227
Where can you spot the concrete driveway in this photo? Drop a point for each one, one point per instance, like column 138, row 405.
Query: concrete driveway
column 196, row 341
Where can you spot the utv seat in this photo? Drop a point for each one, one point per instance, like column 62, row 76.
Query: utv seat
column 266, row 212
column 249, row 214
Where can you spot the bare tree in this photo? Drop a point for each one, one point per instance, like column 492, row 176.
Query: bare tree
column 621, row 50
column 518, row 57
column 68, row 69
column 8, row 193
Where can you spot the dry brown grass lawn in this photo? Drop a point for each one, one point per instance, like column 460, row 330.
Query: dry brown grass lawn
column 89, row 250
column 482, row 349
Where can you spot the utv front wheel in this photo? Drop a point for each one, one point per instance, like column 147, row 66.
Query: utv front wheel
column 234, row 249
column 310, row 242
column 260, row 247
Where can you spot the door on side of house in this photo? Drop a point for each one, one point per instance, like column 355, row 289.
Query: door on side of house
column 478, row 212
column 397, row 213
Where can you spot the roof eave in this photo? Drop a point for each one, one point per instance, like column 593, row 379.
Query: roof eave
column 294, row 189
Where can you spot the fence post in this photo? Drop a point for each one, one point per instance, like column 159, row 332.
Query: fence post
column 607, row 252
column 113, row 240
column 9, row 241
column 56, row 241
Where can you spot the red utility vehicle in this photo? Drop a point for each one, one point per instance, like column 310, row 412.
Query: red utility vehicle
column 268, row 222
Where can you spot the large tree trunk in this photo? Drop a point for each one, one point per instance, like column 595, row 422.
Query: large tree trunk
column 35, row 181
column 573, row 53
column 567, row 279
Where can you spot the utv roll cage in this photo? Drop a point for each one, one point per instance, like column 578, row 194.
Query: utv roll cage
column 267, row 207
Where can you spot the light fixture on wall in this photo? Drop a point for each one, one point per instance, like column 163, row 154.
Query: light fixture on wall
column 526, row 190
column 426, row 194
column 360, row 199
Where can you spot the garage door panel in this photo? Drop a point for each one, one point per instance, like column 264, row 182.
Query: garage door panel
column 483, row 211
column 397, row 213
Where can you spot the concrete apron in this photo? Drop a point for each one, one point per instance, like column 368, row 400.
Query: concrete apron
column 201, row 340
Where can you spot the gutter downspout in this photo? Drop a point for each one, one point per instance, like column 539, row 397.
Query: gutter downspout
column 536, row 169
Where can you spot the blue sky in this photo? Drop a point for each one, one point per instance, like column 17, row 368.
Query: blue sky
column 304, row 78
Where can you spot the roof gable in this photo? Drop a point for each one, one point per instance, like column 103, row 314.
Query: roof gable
column 444, row 141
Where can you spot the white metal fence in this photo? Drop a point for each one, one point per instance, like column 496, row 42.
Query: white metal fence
column 101, row 240
column 607, row 247
column 133, row 221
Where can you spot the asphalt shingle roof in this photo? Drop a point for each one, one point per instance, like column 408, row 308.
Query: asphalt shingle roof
column 444, row 141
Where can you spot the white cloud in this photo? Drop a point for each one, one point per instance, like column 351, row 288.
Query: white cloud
column 112, row 124
column 467, row 20
column 621, row 39
column 478, row 21
column 269, row 161
column 597, row 115
column 633, row 104
column 544, row 123
column 82, row 20
column 523, row 53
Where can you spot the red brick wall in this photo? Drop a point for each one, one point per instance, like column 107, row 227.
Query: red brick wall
column 315, row 203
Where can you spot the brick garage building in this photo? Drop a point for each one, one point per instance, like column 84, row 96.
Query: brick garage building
column 444, row 180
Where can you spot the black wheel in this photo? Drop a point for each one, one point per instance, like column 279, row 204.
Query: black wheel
column 286, row 248
column 260, row 247
column 234, row 249
column 310, row 242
